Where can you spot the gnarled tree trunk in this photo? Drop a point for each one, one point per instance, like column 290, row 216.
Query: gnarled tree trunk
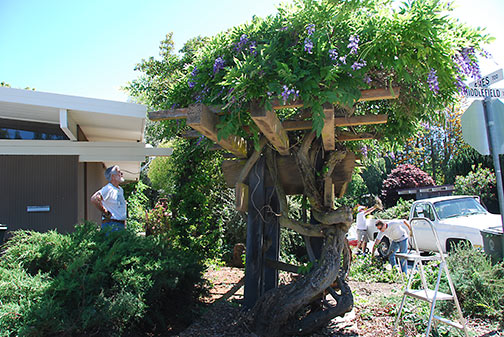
column 301, row 307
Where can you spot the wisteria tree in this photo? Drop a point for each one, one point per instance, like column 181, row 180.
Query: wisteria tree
column 310, row 56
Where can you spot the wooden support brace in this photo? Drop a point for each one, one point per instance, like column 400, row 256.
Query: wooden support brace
column 201, row 119
column 271, row 127
column 379, row 94
column 328, row 129
column 241, row 197
column 169, row 114
column 328, row 192
column 338, row 121
column 345, row 136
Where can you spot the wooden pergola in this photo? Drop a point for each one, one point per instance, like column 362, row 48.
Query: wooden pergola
column 248, row 169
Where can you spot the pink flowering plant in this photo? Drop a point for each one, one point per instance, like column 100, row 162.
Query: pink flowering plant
column 327, row 51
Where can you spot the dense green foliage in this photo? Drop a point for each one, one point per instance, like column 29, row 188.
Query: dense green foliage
column 94, row 283
column 480, row 181
column 400, row 211
column 369, row 269
column 323, row 51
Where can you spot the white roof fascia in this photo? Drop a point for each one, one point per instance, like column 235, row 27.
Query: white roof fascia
column 67, row 124
column 87, row 151
column 44, row 99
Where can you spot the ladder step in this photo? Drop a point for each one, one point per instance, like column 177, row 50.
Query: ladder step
column 414, row 256
column 428, row 295
column 449, row 322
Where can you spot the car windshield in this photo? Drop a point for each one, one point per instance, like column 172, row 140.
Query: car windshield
column 458, row 207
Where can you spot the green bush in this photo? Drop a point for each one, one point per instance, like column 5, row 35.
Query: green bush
column 480, row 181
column 368, row 269
column 94, row 283
column 400, row 211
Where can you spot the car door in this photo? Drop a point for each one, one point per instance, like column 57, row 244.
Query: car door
column 421, row 228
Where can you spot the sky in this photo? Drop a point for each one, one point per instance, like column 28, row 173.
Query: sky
column 90, row 47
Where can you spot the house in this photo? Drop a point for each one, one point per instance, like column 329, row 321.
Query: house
column 54, row 150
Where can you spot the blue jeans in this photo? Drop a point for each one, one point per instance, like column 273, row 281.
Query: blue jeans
column 112, row 225
column 402, row 246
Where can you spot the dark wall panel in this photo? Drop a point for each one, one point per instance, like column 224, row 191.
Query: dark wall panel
column 38, row 181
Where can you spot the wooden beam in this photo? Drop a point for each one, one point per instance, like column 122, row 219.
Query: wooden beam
column 282, row 266
column 201, row 119
column 338, row 121
column 271, row 127
column 278, row 104
column 348, row 136
column 328, row 129
column 379, row 94
column 179, row 113
column 67, row 124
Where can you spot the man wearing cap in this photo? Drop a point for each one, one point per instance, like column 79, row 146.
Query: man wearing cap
column 362, row 237
column 109, row 200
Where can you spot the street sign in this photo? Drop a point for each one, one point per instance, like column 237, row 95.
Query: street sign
column 474, row 129
column 483, row 92
column 487, row 80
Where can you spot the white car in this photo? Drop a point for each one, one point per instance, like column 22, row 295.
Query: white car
column 456, row 219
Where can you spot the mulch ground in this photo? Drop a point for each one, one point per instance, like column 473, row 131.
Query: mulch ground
column 371, row 315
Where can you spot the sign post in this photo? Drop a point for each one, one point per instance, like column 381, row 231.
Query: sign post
column 489, row 137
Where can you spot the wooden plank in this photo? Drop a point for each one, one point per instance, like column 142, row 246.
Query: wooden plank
column 201, row 119
column 328, row 192
column 255, row 225
column 179, row 113
column 241, row 197
column 345, row 136
column 169, row 114
column 338, row 121
column 289, row 175
column 379, row 94
column 328, row 129
column 278, row 104
column 271, row 127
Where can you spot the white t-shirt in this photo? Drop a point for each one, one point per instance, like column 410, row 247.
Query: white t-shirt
column 113, row 201
column 396, row 231
column 361, row 220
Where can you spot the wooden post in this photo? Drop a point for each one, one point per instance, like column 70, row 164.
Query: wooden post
column 272, row 237
column 255, row 224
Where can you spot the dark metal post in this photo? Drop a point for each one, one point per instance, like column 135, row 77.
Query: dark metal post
column 272, row 237
column 255, row 225
column 492, row 144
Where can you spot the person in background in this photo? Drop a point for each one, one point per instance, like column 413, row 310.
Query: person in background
column 109, row 200
column 362, row 237
column 398, row 236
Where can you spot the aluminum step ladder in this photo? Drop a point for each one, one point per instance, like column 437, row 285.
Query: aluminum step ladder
column 426, row 294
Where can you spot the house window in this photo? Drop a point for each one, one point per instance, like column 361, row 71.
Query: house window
column 16, row 129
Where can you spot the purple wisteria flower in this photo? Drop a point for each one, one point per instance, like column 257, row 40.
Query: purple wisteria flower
column 191, row 81
column 286, row 93
column 358, row 65
column 432, row 80
column 343, row 59
column 252, row 48
column 367, row 79
column 218, row 64
column 364, row 151
column 354, row 44
column 242, row 43
column 466, row 63
column 333, row 54
column 284, row 28
column 310, row 29
column 308, row 45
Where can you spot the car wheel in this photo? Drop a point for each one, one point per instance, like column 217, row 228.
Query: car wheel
column 451, row 244
column 383, row 247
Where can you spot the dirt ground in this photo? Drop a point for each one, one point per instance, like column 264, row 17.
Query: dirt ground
column 371, row 316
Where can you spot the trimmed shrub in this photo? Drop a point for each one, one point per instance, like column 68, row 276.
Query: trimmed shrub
column 95, row 283
column 403, row 176
column 399, row 211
